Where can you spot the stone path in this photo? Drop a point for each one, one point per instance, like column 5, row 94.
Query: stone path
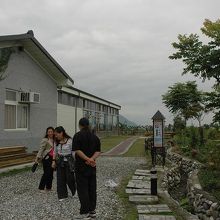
column 121, row 148
column 158, row 208
column 148, row 206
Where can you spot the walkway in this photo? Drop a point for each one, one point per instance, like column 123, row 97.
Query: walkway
column 148, row 206
column 121, row 148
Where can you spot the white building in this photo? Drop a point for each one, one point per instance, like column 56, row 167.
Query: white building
column 36, row 92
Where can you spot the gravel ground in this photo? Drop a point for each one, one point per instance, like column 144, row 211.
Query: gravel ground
column 20, row 198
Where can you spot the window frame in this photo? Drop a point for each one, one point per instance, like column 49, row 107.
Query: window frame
column 16, row 103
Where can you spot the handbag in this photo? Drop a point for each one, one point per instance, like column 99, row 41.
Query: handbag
column 71, row 163
column 34, row 167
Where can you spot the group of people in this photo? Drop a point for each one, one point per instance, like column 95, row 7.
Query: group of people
column 74, row 160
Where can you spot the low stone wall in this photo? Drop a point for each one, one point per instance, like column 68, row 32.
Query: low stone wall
column 184, row 163
column 205, row 206
column 181, row 166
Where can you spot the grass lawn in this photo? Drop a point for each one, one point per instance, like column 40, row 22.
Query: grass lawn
column 111, row 141
column 15, row 171
column 137, row 149
column 131, row 210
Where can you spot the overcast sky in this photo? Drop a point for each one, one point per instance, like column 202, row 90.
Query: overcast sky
column 115, row 49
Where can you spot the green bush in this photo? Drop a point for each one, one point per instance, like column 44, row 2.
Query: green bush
column 184, row 203
column 210, row 181
column 212, row 133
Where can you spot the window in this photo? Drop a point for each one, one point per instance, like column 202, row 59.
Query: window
column 16, row 115
column 66, row 99
column 86, row 104
column 92, row 106
column 22, row 116
column 80, row 102
column 11, row 95
column 10, row 116
column 60, row 97
column 105, row 109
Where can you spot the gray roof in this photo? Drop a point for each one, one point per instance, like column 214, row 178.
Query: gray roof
column 32, row 46
column 89, row 94
column 158, row 116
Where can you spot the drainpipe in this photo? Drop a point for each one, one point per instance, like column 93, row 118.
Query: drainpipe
column 76, row 120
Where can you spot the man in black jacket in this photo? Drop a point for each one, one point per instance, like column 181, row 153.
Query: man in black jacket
column 87, row 147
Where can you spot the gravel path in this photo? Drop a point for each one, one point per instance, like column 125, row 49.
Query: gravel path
column 20, row 199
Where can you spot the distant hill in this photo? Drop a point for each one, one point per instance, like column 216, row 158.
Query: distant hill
column 124, row 120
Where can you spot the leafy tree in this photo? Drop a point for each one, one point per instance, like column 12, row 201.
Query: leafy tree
column 178, row 124
column 5, row 54
column 184, row 99
column 212, row 100
column 202, row 60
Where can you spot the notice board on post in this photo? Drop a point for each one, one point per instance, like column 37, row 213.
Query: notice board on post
column 158, row 133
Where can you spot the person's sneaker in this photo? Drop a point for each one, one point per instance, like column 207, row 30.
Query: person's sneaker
column 83, row 217
column 92, row 214
column 60, row 200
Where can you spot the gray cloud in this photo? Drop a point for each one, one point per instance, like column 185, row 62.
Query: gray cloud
column 115, row 49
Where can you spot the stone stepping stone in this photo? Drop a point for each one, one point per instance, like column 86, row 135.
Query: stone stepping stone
column 142, row 173
column 140, row 199
column 153, row 209
column 137, row 191
column 138, row 184
column 156, row 217
column 144, row 178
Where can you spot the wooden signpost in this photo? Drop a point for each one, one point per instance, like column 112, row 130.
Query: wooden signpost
column 158, row 152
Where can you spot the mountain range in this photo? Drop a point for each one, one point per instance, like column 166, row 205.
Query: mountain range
column 124, row 120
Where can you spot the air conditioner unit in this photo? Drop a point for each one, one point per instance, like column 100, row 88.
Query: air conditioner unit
column 29, row 97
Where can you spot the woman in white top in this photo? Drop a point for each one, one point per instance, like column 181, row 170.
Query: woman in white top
column 63, row 160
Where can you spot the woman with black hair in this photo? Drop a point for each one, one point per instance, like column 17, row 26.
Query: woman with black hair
column 63, row 160
column 45, row 155
column 87, row 148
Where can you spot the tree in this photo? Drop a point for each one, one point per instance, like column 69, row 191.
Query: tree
column 202, row 60
column 185, row 100
column 5, row 54
column 178, row 124
column 213, row 103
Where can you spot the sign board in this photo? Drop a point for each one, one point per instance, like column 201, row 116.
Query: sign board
column 158, row 133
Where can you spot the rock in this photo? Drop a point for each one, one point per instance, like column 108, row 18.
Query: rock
column 214, row 206
column 206, row 206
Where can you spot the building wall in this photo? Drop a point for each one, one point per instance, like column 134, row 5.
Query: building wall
column 68, row 117
column 24, row 74
column 79, row 116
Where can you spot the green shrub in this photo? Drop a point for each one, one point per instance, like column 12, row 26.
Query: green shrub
column 184, row 203
column 212, row 133
column 210, row 181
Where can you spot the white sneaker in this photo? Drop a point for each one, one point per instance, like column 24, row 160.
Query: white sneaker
column 60, row 200
column 83, row 217
column 92, row 214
